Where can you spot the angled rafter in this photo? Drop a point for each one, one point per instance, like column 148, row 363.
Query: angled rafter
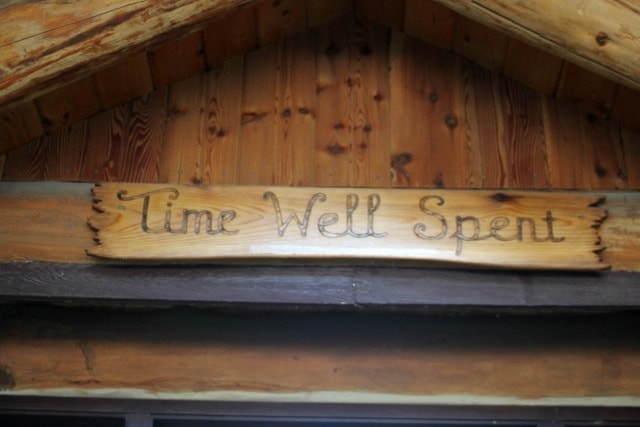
column 600, row 35
column 47, row 43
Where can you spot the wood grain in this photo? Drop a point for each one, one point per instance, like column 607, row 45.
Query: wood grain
column 591, row 92
column 631, row 147
column 43, row 41
column 232, row 36
column 65, row 153
column 26, row 162
column 143, row 222
column 603, row 151
column 334, row 126
column 176, row 60
column 279, row 18
column 532, row 66
column 322, row 12
column 220, row 128
column 479, row 43
column 370, row 105
column 389, row 13
column 257, row 150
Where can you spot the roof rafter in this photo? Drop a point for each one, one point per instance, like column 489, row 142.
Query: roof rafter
column 600, row 35
column 47, row 43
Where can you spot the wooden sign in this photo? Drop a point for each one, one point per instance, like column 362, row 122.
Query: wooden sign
column 515, row 229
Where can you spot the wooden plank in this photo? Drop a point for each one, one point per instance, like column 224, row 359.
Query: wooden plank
column 598, row 35
column 257, row 151
column 19, row 124
column 62, row 107
column 142, row 221
column 409, row 101
column 279, row 18
column 316, row 357
column 296, row 132
column 65, row 153
column 361, row 287
column 3, row 159
column 479, row 43
column 334, row 128
column 631, row 146
column 52, row 217
column 104, row 135
column 124, row 81
column 234, row 35
column 181, row 152
column 603, row 153
column 221, row 129
column 139, row 158
column 591, row 92
column 26, row 162
column 625, row 107
column 44, row 44
column 523, row 141
column 430, row 22
column 176, row 60
column 370, row 106
column 47, row 217
column 532, row 66
column 566, row 157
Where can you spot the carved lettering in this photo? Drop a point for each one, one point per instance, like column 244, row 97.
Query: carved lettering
column 327, row 219
column 420, row 229
column 302, row 225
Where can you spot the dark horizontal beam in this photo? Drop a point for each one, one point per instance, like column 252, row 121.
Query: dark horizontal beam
column 318, row 286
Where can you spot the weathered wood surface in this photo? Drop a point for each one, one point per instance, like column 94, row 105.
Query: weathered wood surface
column 500, row 229
column 372, row 287
column 598, row 35
column 41, row 41
column 331, row 357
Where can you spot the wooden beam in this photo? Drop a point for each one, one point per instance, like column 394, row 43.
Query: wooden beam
column 319, row 287
column 599, row 35
column 43, row 44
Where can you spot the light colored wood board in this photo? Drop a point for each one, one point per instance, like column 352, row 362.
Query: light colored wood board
column 19, row 124
column 99, row 162
column 182, row 149
column 296, row 133
column 358, row 358
column 479, row 43
column 322, row 12
column 139, row 158
column 65, row 153
column 47, row 44
column 565, row 149
column 498, row 229
column 257, row 150
column 631, row 145
column 334, row 127
column 51, row 218
column 73, row 102
column 602, row 145
column 124, row 81
column 233, row 35
column 370, row 105
column 625, row 107
column 409, row 113
column 599, row 35
column 26, row 162
column 489, row 128
column 430, row 22
column 176, row 60
column 276, row 19
column 620, row 232
column 389, row 13
column 591, row 92
column 532, row 66
column 523, row 139
column 220, row 130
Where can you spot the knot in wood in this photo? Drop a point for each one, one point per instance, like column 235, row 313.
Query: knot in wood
column 602, row 38
column 451, row 120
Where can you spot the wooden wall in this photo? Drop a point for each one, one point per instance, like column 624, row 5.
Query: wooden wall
column 349, row 103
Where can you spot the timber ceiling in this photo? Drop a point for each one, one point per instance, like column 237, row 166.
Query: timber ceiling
column 194, row 45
